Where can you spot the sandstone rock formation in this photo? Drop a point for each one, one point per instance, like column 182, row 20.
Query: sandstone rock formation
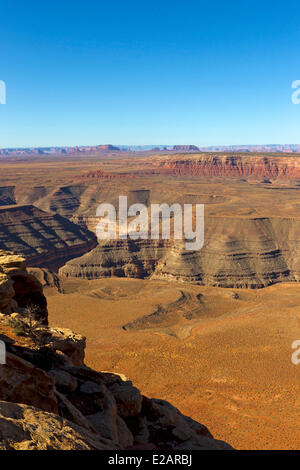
column 50, row 400
column 239, row 252
column 47, row 240
column 104, row 410
column 22, row 382
column 20, row 290
column 25, row 427
column 214, row 165
column 45, row 277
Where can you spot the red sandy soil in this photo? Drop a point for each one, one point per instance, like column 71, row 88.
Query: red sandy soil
column 230, row 368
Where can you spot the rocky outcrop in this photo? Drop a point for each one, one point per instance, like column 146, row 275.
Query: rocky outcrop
column 6, row 293
column 121, row 258
column 22, row 382
column 46, row 240
column 104, row 409
column 238, row 252
column 24, row 427
column 45, row 277
column 68, row 342
column 20, row 290
column 50, row 400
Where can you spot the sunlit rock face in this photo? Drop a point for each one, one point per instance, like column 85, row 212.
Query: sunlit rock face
column 238, row 252
column 232, row 166
column 19, row 289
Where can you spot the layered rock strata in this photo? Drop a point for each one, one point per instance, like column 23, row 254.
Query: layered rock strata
column 46, row 240
column 232, row 166
column 237, row 253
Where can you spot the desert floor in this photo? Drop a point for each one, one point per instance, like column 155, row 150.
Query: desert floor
column 228, row 365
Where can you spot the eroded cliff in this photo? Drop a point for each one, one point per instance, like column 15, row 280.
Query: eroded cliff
column 238, row 252
column 20, row 290
column 45, row 239
column 212, row 165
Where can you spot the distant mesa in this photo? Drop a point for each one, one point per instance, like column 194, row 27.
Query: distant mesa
column 186, row 148
column 97, row 148
column 232, row 166
column 269, row 148
column 110, row 149
column 58, row 150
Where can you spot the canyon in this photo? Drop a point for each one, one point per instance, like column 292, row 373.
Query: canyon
column 205, row 325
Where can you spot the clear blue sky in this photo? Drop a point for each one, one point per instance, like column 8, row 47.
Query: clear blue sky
column 149, row 72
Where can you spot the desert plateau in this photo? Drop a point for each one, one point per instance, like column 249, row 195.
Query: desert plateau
column 209, row 331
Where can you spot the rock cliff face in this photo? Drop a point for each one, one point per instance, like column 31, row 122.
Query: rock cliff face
column 7, row 195
column 50, row 400
column 123, row 258
column 233, row 166
column 45, row 277
column 46, row 240
column 237, row 253
column 80, row 201
column 20, row 290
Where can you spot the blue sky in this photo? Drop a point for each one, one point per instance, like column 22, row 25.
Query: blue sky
column 149, row 72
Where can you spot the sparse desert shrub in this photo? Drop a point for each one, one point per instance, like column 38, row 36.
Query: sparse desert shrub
column 26, row 325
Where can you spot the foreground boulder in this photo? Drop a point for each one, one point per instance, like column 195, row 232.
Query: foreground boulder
column 24, row 427
column 22, row 382
column 20, row 290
